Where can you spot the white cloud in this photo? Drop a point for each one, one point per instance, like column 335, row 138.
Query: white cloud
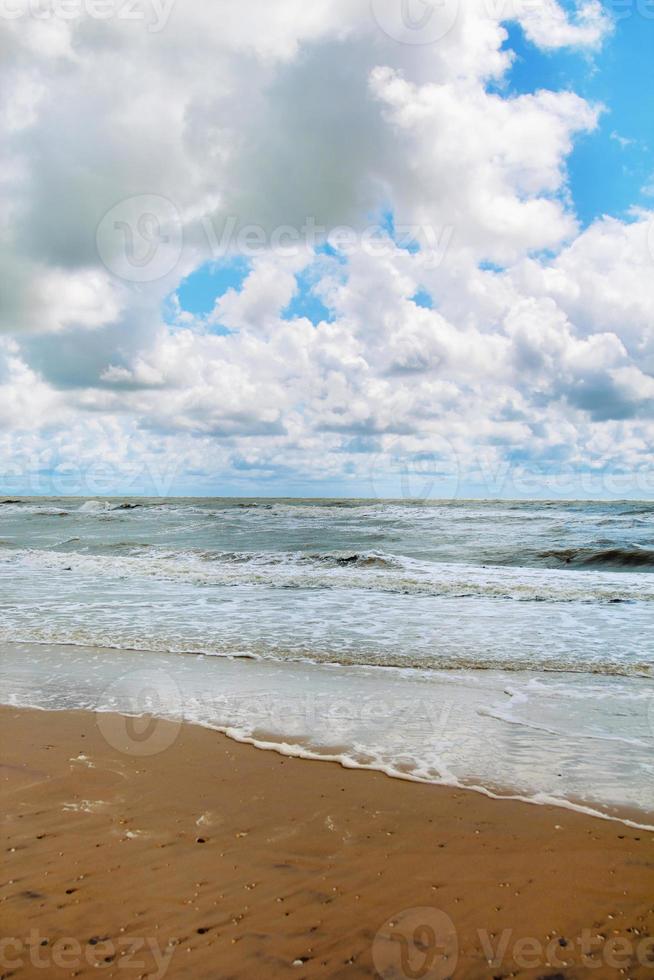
column 547, row 25
column 276, row 113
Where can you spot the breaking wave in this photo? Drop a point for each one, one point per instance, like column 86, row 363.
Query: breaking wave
column 604, row 557
column 366, row 571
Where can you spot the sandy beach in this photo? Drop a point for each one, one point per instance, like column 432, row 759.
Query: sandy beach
column 215, row 859
column 327, row 489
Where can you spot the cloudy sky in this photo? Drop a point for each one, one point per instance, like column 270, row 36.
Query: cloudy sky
column 345, row 247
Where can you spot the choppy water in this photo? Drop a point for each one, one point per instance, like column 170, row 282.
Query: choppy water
column 553, row 602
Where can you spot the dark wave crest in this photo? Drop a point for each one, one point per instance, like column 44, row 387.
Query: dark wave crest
column 603, row 557
column 331, row 559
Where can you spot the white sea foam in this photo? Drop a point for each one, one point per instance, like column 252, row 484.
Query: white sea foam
column 534, row 621
column 369, row 571
column 446, row 729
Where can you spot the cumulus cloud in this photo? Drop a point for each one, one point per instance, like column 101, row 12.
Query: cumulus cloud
column 539, row 343
column 547, row 24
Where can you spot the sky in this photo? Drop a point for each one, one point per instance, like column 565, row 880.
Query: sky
column 375, row 248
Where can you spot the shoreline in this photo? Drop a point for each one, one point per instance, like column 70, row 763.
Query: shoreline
column 223, row 860
column 625, row 816
column 475, row 732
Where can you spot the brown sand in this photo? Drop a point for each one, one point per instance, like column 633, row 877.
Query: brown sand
column 216, row 860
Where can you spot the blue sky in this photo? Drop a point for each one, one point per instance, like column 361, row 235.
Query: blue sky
column 517, row 336
column 609, row 169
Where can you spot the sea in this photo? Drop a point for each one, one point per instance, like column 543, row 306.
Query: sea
column 504, row 647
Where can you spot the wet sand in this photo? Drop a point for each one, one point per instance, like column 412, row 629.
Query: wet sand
column 210, row 859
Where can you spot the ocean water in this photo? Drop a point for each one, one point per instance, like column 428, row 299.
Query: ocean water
column 503, row 646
